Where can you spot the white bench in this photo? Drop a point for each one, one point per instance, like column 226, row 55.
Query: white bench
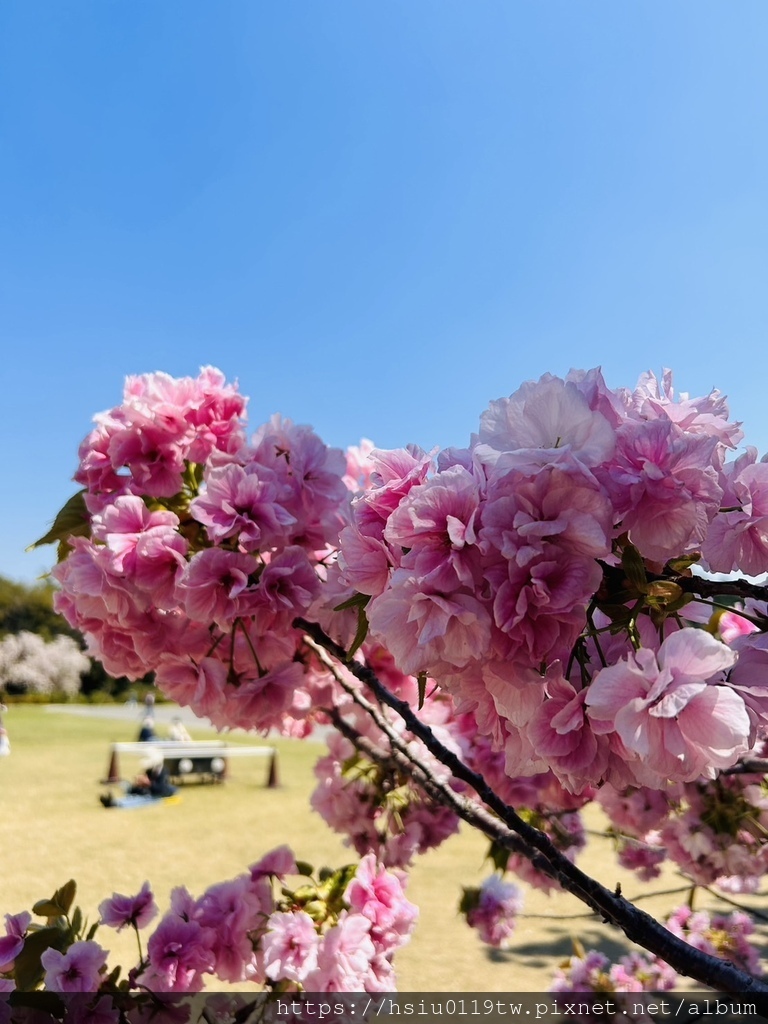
column 207, row 760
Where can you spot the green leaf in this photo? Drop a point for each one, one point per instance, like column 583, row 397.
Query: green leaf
column 499, row 856
column 72, row 520
column 77, row 923
column 470, row 900
column 360, row 635
column 356, row 601
column 28, row 970
column 421, row 679
column 59, row 904
column 304, row 868
column 65, row 896
column 92, row 930
column 633, row 565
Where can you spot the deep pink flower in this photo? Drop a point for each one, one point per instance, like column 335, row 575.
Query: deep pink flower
column 179, row 953
column 137, row 911
column 378, row 895
column 243, row 502
column 214, row 585
column 539, row 601
column 12, row 943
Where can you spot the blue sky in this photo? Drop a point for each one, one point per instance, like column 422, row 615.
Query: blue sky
column 378, row 216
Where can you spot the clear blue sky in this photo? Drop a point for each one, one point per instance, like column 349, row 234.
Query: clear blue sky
column 377, row 215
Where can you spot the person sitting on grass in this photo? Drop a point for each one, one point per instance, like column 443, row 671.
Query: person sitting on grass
column 153, row 783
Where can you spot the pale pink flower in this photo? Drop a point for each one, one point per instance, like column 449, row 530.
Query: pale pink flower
column 561, row 503
column 708, row 415
column 344, row 957
column 359, row 466
column 289, row 946
column 364, row 561
column 549, row 414
column 137, row 911
column 438, row 521
column 80, row 969
column 671, row 709
column 738, row 539
column 561, row 734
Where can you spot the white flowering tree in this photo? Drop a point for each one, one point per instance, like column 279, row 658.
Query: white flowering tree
column 498, row 634
column 30, row 664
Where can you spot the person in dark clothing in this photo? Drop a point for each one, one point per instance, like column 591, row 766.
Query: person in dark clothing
column 153, row 782
column 147, row 731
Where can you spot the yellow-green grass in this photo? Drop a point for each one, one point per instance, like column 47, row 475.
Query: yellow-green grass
column 54, row 828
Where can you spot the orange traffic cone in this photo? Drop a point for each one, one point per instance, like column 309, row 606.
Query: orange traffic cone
column 273, row 781
column 113, row 771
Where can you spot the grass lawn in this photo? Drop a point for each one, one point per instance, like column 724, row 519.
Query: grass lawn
column 53, row 828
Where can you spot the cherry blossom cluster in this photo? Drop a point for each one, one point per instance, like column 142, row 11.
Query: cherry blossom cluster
column 492, row 910
column 728, row 936
column 713, row 830
column 489, row 569
column 338, row 934
column 203, row 548
column 534, row 594
column 378, row 805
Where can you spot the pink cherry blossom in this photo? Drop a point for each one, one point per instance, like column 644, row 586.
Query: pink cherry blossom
column 179, row 953
column 671, row 708
column 664, row 486
column 278, row 862
column 78, row 970
column 344, row 957
column 738, row 538
column 214, row 586
column 243, row 502
column 12, row 943
column 423, row 629
column 137, row 911
column 549, row 414
column 498, row 905
column 289, row 947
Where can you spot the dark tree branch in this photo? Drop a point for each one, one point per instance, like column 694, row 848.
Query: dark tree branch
column 635, row 923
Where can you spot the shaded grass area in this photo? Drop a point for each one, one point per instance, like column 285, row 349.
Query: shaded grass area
column 53, row 828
